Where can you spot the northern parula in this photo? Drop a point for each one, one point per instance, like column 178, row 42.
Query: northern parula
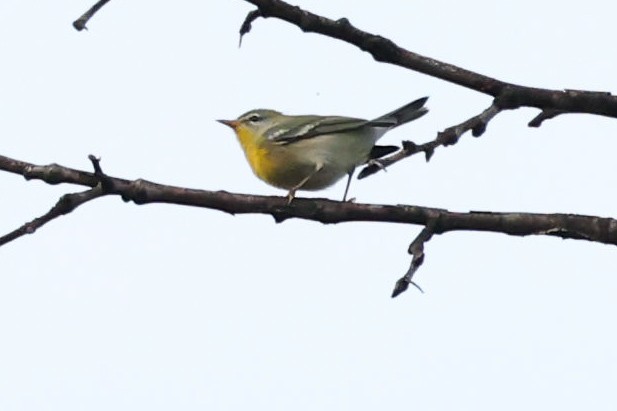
column 314, row 152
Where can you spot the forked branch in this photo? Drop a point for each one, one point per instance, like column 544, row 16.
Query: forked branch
column 507, row 95
column 434, row 220
column 451, row 135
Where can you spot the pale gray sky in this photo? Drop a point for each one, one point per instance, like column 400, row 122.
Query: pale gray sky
column 160, row 307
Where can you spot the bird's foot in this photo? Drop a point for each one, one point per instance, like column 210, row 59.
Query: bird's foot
column 291, row 195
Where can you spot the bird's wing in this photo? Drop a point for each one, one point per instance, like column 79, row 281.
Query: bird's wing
column 313, row 126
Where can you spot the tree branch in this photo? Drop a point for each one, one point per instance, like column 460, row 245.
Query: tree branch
column 416, row 249
column 581, row 227
column 451, row 135
column 434, row 220
column 65, row 204
column 507, row 95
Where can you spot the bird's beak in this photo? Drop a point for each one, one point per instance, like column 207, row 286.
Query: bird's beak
column 229, row 123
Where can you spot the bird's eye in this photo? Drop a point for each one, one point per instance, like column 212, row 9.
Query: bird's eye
column 254, row 118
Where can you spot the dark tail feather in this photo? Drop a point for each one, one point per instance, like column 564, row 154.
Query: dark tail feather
column 405, row 114
column 381, row 151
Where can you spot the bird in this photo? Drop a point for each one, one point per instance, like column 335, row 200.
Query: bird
column 311, row 152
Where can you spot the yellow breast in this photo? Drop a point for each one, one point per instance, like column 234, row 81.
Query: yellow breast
column 271, row 163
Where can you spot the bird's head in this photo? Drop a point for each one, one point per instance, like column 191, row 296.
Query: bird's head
column 254, row 123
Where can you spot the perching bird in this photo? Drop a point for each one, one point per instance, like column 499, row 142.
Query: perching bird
column 314, row 152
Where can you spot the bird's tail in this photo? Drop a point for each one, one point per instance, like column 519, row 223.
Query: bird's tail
column 405, row 114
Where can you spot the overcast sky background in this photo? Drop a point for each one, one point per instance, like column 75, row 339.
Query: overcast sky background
column 159, row 307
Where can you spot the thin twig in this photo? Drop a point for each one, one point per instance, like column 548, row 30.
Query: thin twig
column 476, row 124
column 247, row 25
column 80, row 23
column 65, row 205
column 416, row 249
column 544, row 115
column 105, row 181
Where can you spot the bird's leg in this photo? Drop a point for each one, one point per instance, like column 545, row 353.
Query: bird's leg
column 349, row 175
column 292, row 193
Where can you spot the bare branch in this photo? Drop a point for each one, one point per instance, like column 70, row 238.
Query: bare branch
column 416, row 249
column 451, row 135
column 247, row 25
column 80, row 23
column 507, row 95
column 581, row 227
column 544, row 115
column 105, row 181
column 65, row 205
